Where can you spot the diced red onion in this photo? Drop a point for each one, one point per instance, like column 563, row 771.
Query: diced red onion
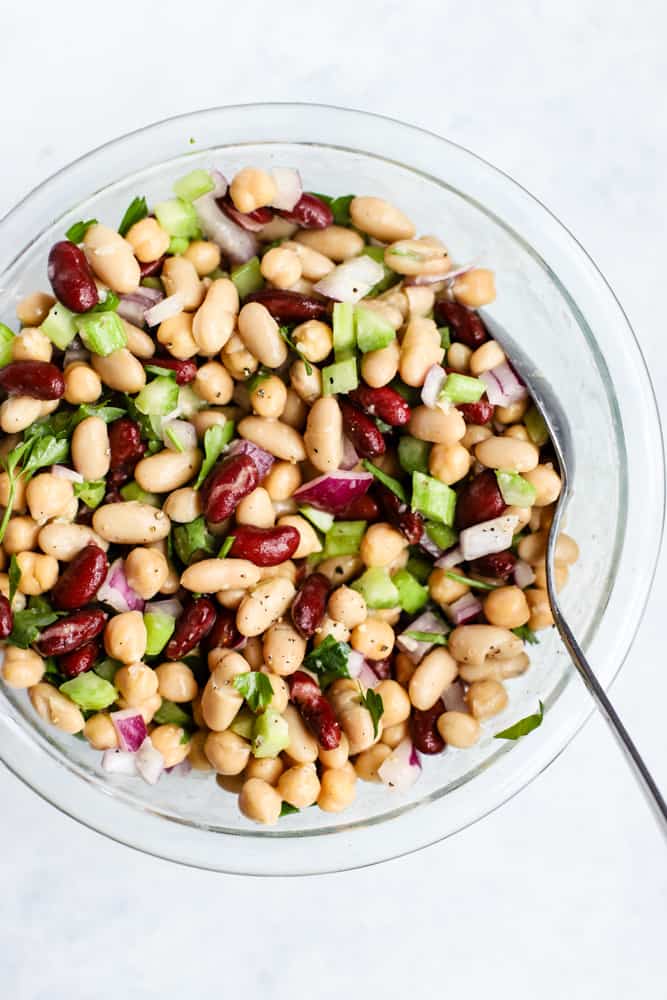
column 334, row 491
column 416, row 650
column 401, row 768
column 367, row 676
column 503, row 386
column 350, row 457
column 524, row 574
column 352, row 280
column 173, row 608
column 453, row 557
column 464, row 609
column 220, row 181
column 119, row 762
column 75, row 352
column 434, row 279
column 488, row 537
column 245, row 221
column 237, row 244
column 433, row 383
column 149, row 761
column 262, row 459
column 130, row 727
column 289, row 188
column 428, row 545
column 116, row 591
column 171, row 306
column 62, row 472
column 133, row 307
column 355, row 662
column 454, row 697
column 182, row 430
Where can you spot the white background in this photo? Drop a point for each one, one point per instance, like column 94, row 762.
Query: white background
column 563, row 892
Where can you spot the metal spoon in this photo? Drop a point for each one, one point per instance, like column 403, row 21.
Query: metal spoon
column 554, row 417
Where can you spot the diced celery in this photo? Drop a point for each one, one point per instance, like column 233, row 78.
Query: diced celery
column 319, row 518
column 420, row 568
column 340, row 377
column 107, row 669
column 133, row 491
column 411, row 394
column 178, row 218
column 7, row 337
column 170, row 712
column 59, row 326
column 243, row 723
column 343, row 538
column 90, row 691
column 390, row 277
column 432, row 498
column 377, row 588
column 516, row 491
column 442, row 535
column 248, row 277
column 413, row 454
column 159, row 397
column 189, row 402
column 411, row 594
column 536, row 427
column 270, row 734
column 151, row 281
column 344, row 340
column 102, row 333
column 462, row 389
column 373, row 332
column 445, row 337
column 178, row 245
column 159, row 629
column 194, row 185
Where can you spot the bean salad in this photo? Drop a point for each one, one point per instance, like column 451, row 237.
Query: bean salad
column 275, row 502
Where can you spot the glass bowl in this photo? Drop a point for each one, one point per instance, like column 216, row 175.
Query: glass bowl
column 554, row 300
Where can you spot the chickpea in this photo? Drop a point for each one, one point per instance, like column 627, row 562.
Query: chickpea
column 458, row 729
column 146, row 571
column 175, row 334
column 314, row 339
column 337, row 757
column 474, row 434
column 100, row 732
column 314, row 265
column 340, row 569
column 511, row 414
column 348, row 607
column 269, row 396
column 54, row 707
column 506, row 607
column 395, row 701
column 517, row 431
column 136, row 682
column 82, row 384
column 486, row 698
column 381, row 545
column 48, row 496
column 379, row 367
column 458, row 358
column 302, row 747
column 330, row 627
column 373, row 639
column 449, row 463
column 309, row 543
column 299, row 785
column 172, row 742
column 22, row 668
column 197, row 758
column 393, row 735
column 205, row 255
column 176, row 682
column 561, row 573
column 19, row 493
column 34, row 308
column 256, row 509
column 475, row 288
column 183, row 505
column 237, row 359
column 252, row 188
column 38, row 573
column 260, row 802
column 125, row 640
column 547, row 483
column 20, row 535
column 369, row 762
column 283, row 649
column 214, row 383
column 31, row 345
column 295, row 412
column 227, row 752
column 148, row 240
column 306, row 381
column 281, row 267
column 337, row 789
column 540, row 609
column 486, row 357
column 444, row 590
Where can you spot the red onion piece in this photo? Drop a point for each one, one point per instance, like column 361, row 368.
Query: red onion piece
column 183, row 431
column 173, row 608
column 252, row 222
column 289, row 188
column 434, row 279
column 463, row 610
column 426, row 622
column 352, row 280
column 355, row 662
column 334, row 491
column 451, row 558
column 220, row 181
column 503, row 386
column 130, row 727
column 237, row 244
column 488, row 537
column 116, row 591
column 62, row 472
column 367, row 677
column 262, row 459
column 165, row 309
column 149, row 761
column 401, row 768
column 133, row 307
column 454, row 697
column 350, row 457
column 119, row 762
column 433, row 383
column 524, row 574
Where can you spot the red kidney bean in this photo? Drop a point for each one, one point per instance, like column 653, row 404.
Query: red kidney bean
column 6, row 617
column 226, row 485
column 464, row 324
column 38, row 379
column 425, row 735
column 265, row 546
column 125, row 443
column 382, row 668
column 479, row 500
column 364, row 508
column 252, row 221
column 77, row 662
column 81, row 580
column 71, row 277
column 193, row 625
column 310, row 603
column 410, row 523
column 186, row 371
column 385, row 403
column 151, row 267
column 290, row 307
column 477, row 413
column 498, row 565
column 314, row 709
column 309, row 212
column 224, row 633
column 71, row 633
column 361, row 430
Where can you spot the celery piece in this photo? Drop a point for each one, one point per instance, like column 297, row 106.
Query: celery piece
column 442, row 535
column 248, row 277
column 159, row 397
column 516, row 491
column 462, row 389
column 390, row 277
column 433, row 499
column 171, row 713
column 344, row 339
column 536, row 427
column 193, row 185
column 59, row 326
column 411, row 594
column 133, row 491
column 343, row 538
column 7, row 338
column 102, row 333
column 90, row 691
column 178, row 245
column 340, row 377
column 413, row 454
column 159, row 629
column 270, row 734
column 178, row 218
column 244, row 723
column 373, row 332
column 319, row 518
column 420, row 568
column 445, row 337
column 107, row 668
column 377, row 588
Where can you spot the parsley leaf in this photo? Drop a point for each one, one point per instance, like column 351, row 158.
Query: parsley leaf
column 523, row 726
column 216, row 440
column 77, row 231
column 435, row 638
column 170, row 712
column 92, row 492
column 256, row 689
column 526, row 634
column 45, row 451
column 193, row 538
column 226, row 546
column 388, row 481
column 108, row 304
column 329, row 661
column 286, row 809
column 14, row 577
column 339, row 206
column 373, row 702
column 135, row 212
column 29, row 623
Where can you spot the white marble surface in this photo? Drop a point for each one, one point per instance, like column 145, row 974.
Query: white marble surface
column 561, row 893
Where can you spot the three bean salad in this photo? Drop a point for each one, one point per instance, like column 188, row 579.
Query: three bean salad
column 275, row 502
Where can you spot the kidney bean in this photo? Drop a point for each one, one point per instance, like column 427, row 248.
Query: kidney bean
column 385, row 403
column 382, row 668
column 425, row 735
column 499, row 565
column 38, row 379
column 71, row 277
column 226, row 485
column 81, row 580
column 186, row 371
column 252, row 221
column 77, row 662
column 410, row 523
column 265, row 546
column 477, row 413
column 479, row 500
column 361, row 430
column 71, row 633
column 193, row 625
column 310, row 603
column 224, row 633
column 364, row 508
column 151, row 267
column 464, row 324
column 125, row 443
column 116, row 477
column 309, row 213
column 290, row 307
column 6, row 617
column 314, row 708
